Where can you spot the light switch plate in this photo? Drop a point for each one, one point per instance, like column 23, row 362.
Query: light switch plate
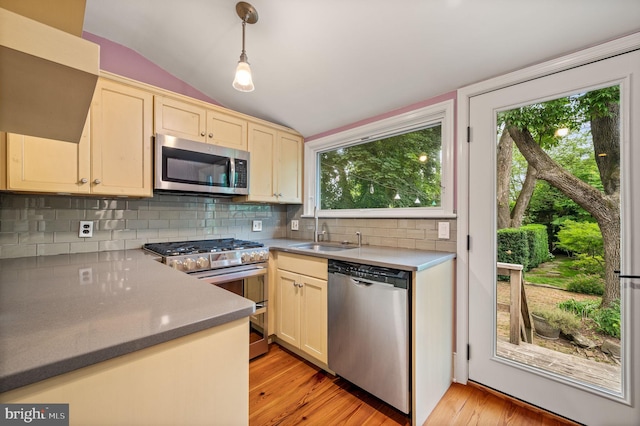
column 294, row 225
column 257, row 225
column 443, row 230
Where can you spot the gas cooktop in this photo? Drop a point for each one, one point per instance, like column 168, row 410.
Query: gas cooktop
column 201, row 246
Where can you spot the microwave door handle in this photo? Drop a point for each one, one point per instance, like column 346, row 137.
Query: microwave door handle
column 232, row 173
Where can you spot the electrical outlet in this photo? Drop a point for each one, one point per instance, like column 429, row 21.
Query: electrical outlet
column 257, row 225
column 85, row 275
column 294, row 225
column 443, row 230
column 86, row 229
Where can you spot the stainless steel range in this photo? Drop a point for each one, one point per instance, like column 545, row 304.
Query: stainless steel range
column 236, row 265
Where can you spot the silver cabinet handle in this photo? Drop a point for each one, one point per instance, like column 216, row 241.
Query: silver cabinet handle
column 83, row 180
column 275, row 195
column 280, row 194
column 202, row 133
column 97, row 181
column 210, row 135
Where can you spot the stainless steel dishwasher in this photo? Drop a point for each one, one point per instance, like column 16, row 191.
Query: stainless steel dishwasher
column 369, row 329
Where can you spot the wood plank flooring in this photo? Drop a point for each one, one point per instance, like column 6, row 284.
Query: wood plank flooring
column 287, row 390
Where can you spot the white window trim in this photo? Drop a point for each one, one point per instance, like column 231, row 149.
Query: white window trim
column 442, row 112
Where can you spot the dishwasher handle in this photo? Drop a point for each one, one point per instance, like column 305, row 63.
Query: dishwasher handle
column 362, row 282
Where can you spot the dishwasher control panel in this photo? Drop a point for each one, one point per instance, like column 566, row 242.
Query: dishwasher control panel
column 397, row 277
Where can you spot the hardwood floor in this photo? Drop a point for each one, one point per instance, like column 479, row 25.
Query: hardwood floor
column 287, row 390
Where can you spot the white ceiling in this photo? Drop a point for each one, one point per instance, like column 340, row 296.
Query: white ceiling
column 322, row 64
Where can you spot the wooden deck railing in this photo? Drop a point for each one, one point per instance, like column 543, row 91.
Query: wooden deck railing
column 519, row 318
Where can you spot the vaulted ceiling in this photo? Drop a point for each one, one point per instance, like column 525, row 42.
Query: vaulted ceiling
column 322, row 64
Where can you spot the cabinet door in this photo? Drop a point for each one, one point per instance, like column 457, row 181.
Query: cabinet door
column 289, row 170
column 313, row 317
column 180, row 119
column 121, row 131
column 46, row 165
column 226, row 130
column 262, row 185
column 288, row 312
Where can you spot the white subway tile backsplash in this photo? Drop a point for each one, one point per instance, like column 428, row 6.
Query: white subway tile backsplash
column 419, row 234
column 33, row 225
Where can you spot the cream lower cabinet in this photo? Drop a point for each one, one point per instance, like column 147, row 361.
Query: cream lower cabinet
column 194, row 122
column 112, row 158
column 276, row 165
column 301, row 304
column 198, row 379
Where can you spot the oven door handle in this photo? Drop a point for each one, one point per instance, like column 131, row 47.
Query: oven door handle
column 231, row 276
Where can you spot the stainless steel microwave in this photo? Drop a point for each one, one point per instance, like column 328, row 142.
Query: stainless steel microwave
column 187, row 166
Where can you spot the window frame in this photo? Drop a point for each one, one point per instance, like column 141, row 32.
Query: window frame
column 440, row 113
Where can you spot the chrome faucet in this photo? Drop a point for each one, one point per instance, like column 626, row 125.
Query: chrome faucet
column 359, row 235
column 316, row 234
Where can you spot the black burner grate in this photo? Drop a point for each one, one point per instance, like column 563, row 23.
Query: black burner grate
column 201, row 246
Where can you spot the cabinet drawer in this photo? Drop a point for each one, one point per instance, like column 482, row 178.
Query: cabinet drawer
column 306, row 265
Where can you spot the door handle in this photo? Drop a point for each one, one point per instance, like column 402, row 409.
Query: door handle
column 625, row 276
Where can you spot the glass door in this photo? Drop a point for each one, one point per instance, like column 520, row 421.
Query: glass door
column 551, row 173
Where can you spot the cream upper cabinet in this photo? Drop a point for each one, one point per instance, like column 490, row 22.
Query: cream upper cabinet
column 194, row 122
column 262, row 180
column 180, row 119
column 275, row 165
column 45, row 165
column 289, row 168
column 226, row 130
column 112, row 158
column 121, row 140
column 301, row 303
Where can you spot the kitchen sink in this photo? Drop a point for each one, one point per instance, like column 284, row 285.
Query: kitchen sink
column 322, row 246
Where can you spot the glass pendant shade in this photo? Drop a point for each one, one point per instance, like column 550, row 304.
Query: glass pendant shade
column 243, row 81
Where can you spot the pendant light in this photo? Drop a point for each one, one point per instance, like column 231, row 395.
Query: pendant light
column 397, row 196
column 243, row 80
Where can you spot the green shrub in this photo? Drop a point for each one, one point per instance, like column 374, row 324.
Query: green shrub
column 567, row 322
column 580, row 237
column 586, row 284
column 513, row 247
column 584, row 308
column 608, row 319
column 538, row 243
column 590, row 265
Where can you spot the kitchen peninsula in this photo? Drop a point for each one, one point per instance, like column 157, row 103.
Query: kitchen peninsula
column 123, row 339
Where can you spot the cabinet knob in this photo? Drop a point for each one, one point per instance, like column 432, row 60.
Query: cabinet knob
column 210, row 135
column 202, row 133
column 280, row 194
column 83, row 180
column 97, row 181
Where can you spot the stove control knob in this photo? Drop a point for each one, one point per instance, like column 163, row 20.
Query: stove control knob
column 254, row 256
column 202, row 262
column 189, row 264
column 176, row 264
column 246, row 257
column 264, row 255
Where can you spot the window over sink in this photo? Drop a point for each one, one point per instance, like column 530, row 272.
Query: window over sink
column 401, row 166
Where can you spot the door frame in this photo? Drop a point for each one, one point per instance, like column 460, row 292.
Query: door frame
column 583, row 57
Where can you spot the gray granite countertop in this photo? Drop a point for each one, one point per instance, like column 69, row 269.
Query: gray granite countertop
column 389, row 257
column 60, row 313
